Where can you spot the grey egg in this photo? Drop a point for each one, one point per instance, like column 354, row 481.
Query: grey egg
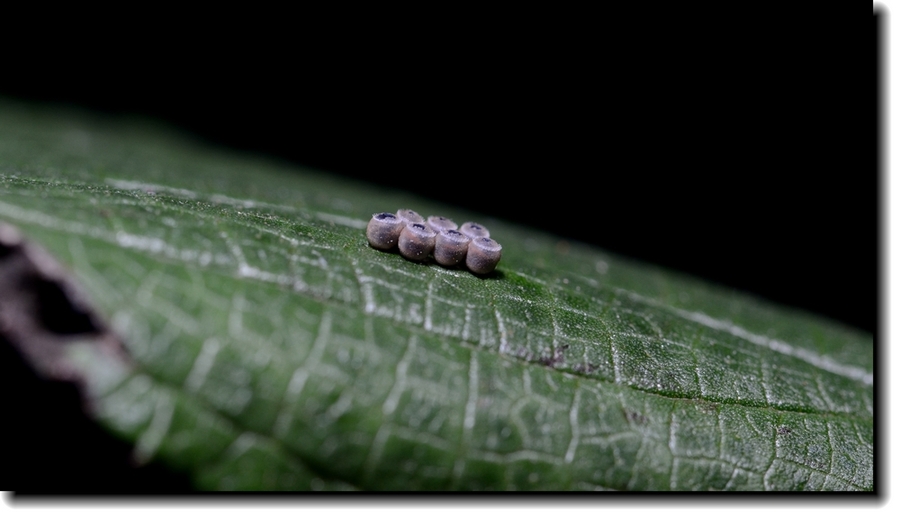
column 416, row 241
column 450, row 247
column 474, row 230
column 438, row 223
column 383, row 230
column 409, row 216
column 483, row 255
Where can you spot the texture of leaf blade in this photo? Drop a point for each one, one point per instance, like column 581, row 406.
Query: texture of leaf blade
column 273, row 349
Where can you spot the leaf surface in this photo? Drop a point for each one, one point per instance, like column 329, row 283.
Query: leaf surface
column 271, row 348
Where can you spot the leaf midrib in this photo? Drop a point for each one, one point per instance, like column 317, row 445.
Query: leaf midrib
column 551, row 308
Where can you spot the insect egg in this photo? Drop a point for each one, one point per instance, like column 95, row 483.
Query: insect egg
column 474, row 230
column 409, row 216
column 450, row 247
column 438, row 223
column 416, row 241
column 483, row 255
column 383, row 230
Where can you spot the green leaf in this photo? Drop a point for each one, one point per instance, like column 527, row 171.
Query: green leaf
column 269, row 347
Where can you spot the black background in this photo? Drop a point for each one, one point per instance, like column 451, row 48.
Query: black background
column 739, row 146
column 736, row 145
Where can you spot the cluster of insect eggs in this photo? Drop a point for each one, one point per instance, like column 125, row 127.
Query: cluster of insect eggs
column 417, row 238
